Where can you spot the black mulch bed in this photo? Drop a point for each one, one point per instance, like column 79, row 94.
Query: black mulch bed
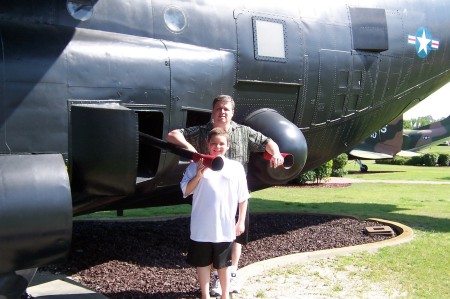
column 146, row 259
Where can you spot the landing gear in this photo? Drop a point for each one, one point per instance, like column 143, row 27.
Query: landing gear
column 362, row 167
column 14, row 284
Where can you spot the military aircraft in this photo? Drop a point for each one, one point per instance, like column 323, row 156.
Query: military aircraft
column 416, row 139
column 80, row 79
column 384, row 143
column 392, row 140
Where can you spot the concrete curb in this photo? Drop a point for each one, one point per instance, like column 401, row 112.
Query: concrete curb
column 46, row 285
column 406, row 234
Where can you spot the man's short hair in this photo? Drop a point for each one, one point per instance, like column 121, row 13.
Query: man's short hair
column 224, row 98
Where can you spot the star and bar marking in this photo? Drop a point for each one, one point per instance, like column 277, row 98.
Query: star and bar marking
column 423, row 41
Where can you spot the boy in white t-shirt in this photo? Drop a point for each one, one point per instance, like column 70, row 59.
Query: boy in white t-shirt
column 216, row 196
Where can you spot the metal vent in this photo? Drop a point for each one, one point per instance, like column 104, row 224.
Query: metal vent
column 369, row 29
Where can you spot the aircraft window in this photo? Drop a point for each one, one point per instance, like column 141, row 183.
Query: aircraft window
column 80, row 9
column 269, row 39
column 174, row 19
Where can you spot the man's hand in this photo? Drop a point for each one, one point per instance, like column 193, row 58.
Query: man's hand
column 276, row 160
column 177, row 138
column 273, row 149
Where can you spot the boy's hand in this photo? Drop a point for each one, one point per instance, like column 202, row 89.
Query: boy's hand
column 200, row 168
column 240, row 228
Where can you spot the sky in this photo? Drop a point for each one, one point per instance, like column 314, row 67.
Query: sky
column 437, row 105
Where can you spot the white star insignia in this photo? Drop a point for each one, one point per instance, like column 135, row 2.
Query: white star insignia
column 424, row 41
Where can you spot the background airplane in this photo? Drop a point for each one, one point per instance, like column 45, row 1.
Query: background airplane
column 425, row 136
column 80, row 79
column 392, row 140
column 382, row 144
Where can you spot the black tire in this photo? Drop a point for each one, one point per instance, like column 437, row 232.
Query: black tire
column 364, row 168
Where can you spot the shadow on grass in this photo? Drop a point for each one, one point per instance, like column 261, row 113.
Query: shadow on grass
column 361, row 211
column 369, row 172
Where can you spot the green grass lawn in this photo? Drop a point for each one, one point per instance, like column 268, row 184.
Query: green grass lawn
column 420, row 268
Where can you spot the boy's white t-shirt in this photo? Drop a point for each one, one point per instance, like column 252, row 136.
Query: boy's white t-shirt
column 215, row 201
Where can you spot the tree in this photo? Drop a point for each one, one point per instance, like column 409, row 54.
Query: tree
column 418, row 122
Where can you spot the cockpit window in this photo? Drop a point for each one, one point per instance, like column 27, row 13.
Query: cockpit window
column 175, row 19
column 269, row 38
column 80, row 9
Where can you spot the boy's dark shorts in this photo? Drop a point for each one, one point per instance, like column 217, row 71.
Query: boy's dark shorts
column 243, row 238
column 202, row 254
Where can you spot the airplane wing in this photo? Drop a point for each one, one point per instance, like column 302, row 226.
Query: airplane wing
column 383, row 144
column 369, row 155
column 407, row 154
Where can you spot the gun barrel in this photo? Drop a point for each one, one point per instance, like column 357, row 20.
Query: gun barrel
column 215, row 163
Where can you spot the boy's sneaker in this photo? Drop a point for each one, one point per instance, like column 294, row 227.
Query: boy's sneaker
column 234, row 284
column 216, row 289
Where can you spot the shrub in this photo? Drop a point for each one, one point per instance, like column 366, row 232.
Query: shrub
column 414, row 161
column 399, row 160
column 304, row 177
column 430, row 159
column 339, row 172
column 394, row 161
column 340, row 161
column 315, row 175
column 323, row 171
column 338, row 167
column 444, row 160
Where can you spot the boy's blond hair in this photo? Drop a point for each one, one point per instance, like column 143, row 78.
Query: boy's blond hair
column 218, row 132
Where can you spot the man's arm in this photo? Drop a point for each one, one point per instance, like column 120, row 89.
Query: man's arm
column 273, row 149
column 256, row 139
column 176, row 137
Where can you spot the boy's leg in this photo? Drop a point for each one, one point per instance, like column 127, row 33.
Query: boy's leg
column 236, row 254
column 203, row 274
column 216, row 290
column 224, row 282
column 200, row 255
column 221, row 262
